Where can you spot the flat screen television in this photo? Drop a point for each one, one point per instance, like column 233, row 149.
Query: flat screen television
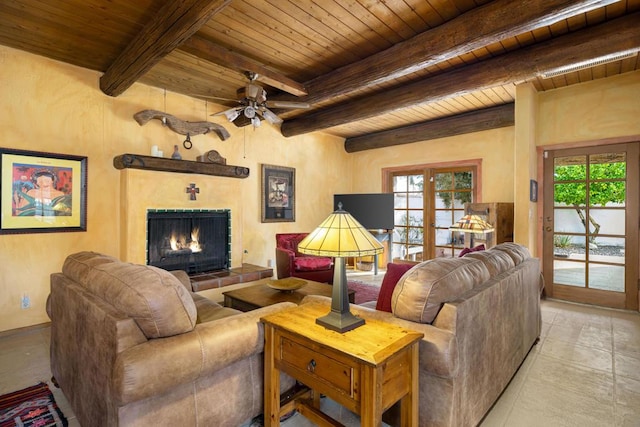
column 373, row 210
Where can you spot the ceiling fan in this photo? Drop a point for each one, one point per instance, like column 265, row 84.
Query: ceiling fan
column 254, row 105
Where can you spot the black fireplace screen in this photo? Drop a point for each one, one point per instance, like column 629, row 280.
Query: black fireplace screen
column 193, row 241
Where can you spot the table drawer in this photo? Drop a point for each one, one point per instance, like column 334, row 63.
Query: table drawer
column 319, row 369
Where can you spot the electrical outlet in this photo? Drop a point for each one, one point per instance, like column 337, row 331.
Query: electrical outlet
column 25, row 302
column 269, row 263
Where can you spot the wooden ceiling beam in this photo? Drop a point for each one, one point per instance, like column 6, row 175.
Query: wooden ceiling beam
column 175, row 22
column 616, row 36
column 477, row 28
column 473, row 121
column 209, row 51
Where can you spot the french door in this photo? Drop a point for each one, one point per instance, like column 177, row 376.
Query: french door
column 590, row 225
column 427, row 201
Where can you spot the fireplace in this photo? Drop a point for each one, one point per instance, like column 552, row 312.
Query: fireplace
column 195, row 241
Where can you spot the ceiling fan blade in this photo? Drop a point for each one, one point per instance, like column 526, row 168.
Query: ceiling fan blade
column 223, row 112
column 270, row 116
column 286, row 104
column 219, row 98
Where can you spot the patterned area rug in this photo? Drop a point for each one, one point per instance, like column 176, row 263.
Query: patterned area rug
column 32, row 407
column 364, row 291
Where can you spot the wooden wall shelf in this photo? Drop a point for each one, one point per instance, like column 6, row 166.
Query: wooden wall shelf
column 136, row 161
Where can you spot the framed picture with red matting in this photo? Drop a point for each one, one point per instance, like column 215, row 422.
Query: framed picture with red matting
column 278, row 194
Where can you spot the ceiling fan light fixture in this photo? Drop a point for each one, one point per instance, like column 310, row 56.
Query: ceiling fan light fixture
column 252, row 91
column 271, row 117
column 231, row 115
column 249, row 112
column 255, row 121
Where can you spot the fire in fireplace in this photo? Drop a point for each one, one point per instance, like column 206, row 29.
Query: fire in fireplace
column 195, row 241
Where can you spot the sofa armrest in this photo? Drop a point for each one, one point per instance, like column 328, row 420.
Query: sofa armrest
column 284, row 262
column 183, row 277
column 158, row 365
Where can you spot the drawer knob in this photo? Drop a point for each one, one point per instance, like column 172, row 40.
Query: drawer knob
column 311, row 367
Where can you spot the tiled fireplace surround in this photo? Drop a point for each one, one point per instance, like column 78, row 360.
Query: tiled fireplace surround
column 204, row 279
column 167, row 191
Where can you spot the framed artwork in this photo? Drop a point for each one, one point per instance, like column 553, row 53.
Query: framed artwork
column 42, row 192
column 533, row 190
column 278, row 194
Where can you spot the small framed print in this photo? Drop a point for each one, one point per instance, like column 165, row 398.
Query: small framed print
column 42, row 192
column 278, row 194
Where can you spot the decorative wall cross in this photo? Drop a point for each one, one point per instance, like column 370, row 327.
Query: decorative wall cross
column 192, row 190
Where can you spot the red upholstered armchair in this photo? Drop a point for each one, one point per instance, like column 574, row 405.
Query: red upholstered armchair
column 291, row 263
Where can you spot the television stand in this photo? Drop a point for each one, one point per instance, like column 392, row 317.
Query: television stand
column 382, row 236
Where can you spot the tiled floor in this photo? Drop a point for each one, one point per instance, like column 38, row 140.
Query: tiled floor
column 585, row 371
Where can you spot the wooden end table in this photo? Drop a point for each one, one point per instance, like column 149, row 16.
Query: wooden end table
column 366, row 370
column 260, row 295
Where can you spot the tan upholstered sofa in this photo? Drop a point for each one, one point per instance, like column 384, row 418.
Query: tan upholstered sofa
column 480, row 316
column 132, row 346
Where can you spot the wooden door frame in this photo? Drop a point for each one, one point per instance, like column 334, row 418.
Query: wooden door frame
column 387, row 186
column 632, row 297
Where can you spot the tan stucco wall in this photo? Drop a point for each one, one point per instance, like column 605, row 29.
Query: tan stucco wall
column 600, row 109
column 494, row 147
column 525, row 221
column 53, row 107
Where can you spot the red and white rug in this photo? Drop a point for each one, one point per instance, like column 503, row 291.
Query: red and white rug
column 31, row 407
column 364, row 291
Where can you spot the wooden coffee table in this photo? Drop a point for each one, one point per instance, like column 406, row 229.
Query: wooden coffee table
column 261, row 295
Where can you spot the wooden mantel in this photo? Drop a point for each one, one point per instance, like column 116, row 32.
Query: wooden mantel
column 137, row 161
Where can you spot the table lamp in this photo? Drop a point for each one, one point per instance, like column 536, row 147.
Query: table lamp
column 340, row 236
column 472, row 224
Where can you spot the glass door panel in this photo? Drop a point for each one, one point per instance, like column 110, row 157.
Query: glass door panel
column 408, row 233
column 426, row 203
column 587, row 221
column 454, row 189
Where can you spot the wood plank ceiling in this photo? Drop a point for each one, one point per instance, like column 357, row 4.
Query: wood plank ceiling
column 376, row 72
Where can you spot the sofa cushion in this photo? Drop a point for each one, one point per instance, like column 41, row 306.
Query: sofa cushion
column 516, row 251
column 154, row 298
column 312, row 263
column 421, row 292
column 496, row 261
column 80, row 264
column 391, row 278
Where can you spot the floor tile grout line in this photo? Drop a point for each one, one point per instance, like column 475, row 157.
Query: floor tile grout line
column 518, row 392
column 613, row 373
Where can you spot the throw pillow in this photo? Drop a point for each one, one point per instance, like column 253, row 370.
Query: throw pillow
column 391, row 277
column 474, row 249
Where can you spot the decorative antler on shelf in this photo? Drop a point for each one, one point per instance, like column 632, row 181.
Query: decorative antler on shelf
column 180, row 126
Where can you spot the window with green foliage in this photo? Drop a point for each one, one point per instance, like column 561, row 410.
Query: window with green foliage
column 603, row 175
